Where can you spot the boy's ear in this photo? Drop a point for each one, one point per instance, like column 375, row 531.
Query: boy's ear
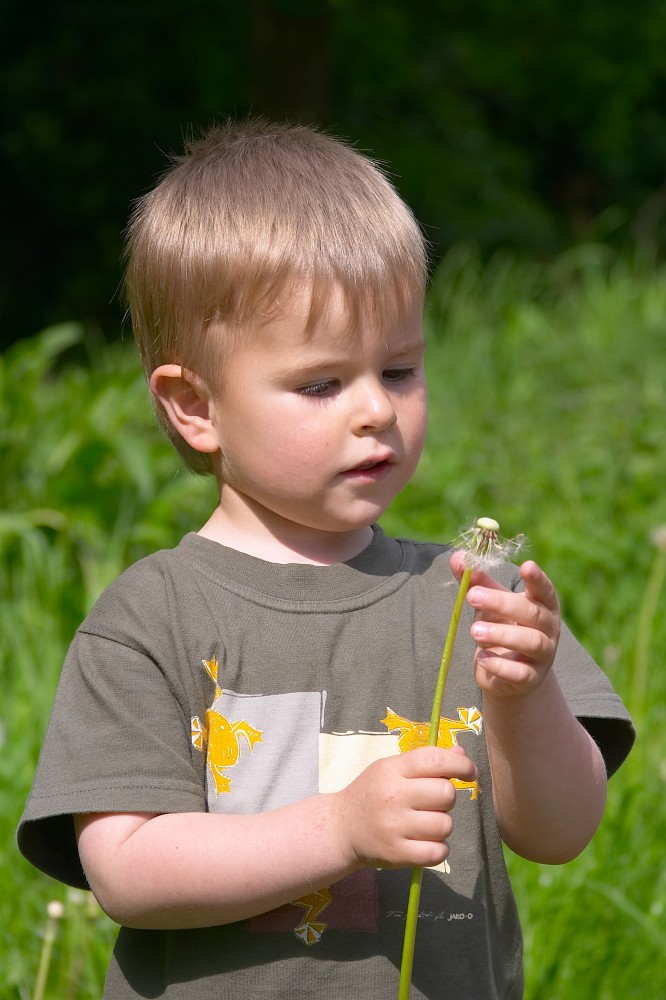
column 186, row 400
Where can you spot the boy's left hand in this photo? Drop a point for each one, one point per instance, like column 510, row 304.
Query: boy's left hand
column 516, row 633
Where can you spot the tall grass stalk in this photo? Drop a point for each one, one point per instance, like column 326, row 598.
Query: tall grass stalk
column 55, row 913
column 647, row 619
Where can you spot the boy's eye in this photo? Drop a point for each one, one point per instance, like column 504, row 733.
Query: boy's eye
column 318, row 389
column 399, row 374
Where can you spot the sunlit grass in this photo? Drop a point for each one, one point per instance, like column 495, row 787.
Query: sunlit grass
column 548, row 411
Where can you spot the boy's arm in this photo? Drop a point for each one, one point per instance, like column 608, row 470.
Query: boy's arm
column 181, row 870
column 549, row 777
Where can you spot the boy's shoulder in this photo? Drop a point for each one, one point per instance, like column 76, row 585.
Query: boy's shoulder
column 149, row 569
column 143, row 592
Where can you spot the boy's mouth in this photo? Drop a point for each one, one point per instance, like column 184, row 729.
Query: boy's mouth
column 373, row 467
column 369, row 465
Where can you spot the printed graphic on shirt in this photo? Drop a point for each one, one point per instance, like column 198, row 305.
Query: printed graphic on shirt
column 261, row 750
column 415, row 734
column 222, row 736
column 267, row 751
column 310, row 929
column 224, row 745
column 349, row 905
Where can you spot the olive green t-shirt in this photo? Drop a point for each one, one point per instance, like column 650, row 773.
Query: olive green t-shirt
column 208, row 680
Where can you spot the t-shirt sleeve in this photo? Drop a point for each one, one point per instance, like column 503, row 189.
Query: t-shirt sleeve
column 590, row 695
column 118, row 741
column 593, row 701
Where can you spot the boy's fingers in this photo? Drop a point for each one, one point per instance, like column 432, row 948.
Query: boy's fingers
column 528, row 607
column 457, row 561
column 538, row 586
column 437, row 762
column 508, row 642
column 509, row 608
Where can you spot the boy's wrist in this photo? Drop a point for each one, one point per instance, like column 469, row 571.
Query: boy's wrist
column 512, row 702
column 338, row 821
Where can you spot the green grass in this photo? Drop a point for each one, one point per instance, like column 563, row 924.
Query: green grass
column 548, row 412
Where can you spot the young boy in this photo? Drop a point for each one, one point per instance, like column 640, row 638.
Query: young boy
column 235, row 764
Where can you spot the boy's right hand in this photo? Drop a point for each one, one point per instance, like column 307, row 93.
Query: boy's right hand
column 396, row 813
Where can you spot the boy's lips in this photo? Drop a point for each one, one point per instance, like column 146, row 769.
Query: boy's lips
column 372, row 466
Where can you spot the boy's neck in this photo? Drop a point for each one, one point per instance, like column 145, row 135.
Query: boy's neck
column 284, row 542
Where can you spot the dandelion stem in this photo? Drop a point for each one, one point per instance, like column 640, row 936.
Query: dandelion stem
column 484, row 548
column 433, row 733
column 446, row 658
column 409, row 940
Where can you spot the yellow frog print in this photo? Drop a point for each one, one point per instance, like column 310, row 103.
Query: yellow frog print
column 415, row 734
column 221, row 735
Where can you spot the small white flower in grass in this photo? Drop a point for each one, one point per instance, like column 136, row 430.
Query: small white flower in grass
column 484, row 547
column 55, row 909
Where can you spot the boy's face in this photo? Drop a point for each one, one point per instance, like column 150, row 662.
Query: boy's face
column 319, row 430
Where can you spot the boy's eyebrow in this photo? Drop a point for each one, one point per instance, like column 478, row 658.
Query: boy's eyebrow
column 411, row 347
column 326, row 359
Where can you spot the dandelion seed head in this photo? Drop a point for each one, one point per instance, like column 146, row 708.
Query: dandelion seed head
column 488, row 524
column 484, row 547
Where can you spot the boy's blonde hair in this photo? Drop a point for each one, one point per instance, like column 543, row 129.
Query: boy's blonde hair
column 252, row 214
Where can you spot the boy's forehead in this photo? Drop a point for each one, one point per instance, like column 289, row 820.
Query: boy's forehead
column 336, row 316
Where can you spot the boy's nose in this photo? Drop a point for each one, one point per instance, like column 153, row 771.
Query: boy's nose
column 374, row 409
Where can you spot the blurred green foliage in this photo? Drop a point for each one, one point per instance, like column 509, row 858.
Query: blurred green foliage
column 87, row 473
